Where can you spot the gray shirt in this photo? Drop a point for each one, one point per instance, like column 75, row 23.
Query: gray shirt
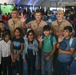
column 34, row 47
column 67, row 57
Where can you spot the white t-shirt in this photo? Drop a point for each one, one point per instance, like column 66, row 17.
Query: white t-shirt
column 5, row 48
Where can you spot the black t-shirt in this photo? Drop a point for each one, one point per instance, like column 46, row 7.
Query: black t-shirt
column 17, row 43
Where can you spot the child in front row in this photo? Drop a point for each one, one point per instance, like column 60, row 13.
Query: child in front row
column 48, row 46
column 65, row 52
column 6, row 53
column 16, row 51
column 2, row 28
column 30, row 50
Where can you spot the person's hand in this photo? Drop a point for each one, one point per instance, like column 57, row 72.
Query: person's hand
column 23, row 18
column 48, row 58
column 59, row 33
column 24, row 60
column 39, row 39
column 30, row 44
column 60, row 38
column 14, row 58
column 57, row 45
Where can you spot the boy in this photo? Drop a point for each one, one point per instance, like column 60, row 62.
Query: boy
column 47, row 45
column 5, row 53
column 65, row 52
column 2, row 28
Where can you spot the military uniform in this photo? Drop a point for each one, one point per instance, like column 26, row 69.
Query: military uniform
column 59, row 26
column 12, row 24
column 38, row 28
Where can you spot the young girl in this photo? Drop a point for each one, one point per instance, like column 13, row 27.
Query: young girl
column 16, row 51
column 30, row 50
column 6, row 53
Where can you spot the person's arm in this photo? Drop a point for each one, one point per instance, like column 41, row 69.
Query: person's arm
column 60, row 39
column 24, row 28
column 71, row 51
column 28, row 25
column 12, row 52
column 40, row 45
column 54, row 45
column 35, row 46
column 11, row 49
column 53, row 51
column 40, row 41
column 24, row 50
column 54, row 48
column 23, row 24
column 19, row 52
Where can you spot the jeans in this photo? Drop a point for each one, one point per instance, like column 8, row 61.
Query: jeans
column 18, row 66
column 31, row 63
column 63, row 68
column 46, row 64
column 6, row 65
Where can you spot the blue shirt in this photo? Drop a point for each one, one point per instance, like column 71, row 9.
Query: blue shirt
column 67, row 57
column 17, row 43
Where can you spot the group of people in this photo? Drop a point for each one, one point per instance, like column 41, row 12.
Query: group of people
column 22, row 42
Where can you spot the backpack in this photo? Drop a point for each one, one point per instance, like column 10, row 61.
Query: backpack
column 71, row 41
column 51, row 38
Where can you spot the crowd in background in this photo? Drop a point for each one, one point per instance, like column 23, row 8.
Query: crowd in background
column 26, row 34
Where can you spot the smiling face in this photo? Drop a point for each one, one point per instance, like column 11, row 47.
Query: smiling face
column 66, row 33
column 38, row 16
column 46, row 33
column 59, row 16
column 30, row 36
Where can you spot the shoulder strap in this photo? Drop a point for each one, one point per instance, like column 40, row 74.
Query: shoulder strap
column 43, row 36
column 71, row 40
column 51, row 39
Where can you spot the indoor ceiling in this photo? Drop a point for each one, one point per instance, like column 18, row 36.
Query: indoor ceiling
column 31, row 2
